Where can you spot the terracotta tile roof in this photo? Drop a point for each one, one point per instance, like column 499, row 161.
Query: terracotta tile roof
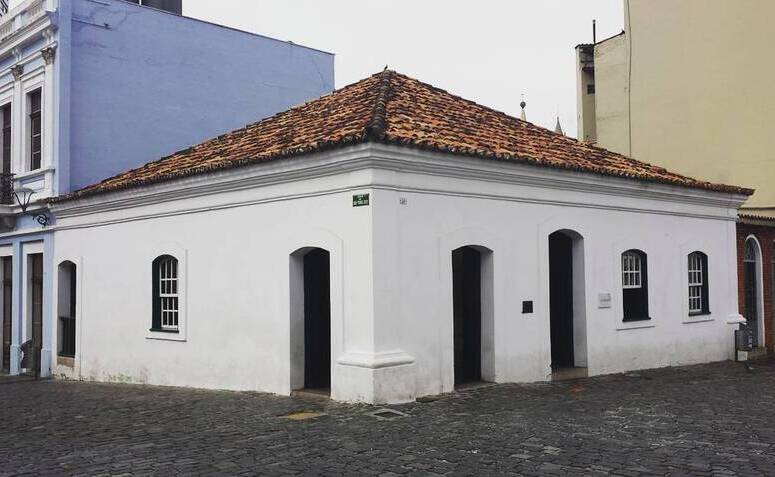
column 389, row 107
column 754, row 219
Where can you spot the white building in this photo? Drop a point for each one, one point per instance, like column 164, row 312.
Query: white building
column 390, row 241
column 90, row 88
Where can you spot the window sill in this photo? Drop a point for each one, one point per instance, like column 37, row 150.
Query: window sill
column 33, row 173
column 162, row 330
column 165, row 335
column 699, row 318
column 636, row 324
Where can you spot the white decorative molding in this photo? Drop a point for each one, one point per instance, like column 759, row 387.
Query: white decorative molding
column 391, row 158
column 736, row 319
column 17, row 71
column 635, row 325
column 48, row 54
column 384, row 359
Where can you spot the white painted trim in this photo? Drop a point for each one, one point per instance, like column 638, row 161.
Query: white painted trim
column 637, row 325
column 699, row 319
column 618, row 296
column 181, row 254
column 33, row 247
column 392, row 158
column 700, row 244
column 759, row 288
column 385, row 359
column 488, row 245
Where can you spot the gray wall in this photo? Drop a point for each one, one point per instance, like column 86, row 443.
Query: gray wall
column 147, row 83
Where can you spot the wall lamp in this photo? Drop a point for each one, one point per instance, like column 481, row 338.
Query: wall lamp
column 23, row 195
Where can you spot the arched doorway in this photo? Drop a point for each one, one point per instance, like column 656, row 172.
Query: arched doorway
column 473, row 335
column 311, row 320
column 66, row 309
column 752, row 289
column 567, row 302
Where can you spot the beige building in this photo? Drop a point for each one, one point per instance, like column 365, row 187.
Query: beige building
column 687, row 85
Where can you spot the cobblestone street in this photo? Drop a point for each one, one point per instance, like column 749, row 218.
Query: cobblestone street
column 716, row 419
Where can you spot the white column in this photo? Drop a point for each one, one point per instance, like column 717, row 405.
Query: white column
column 17, row 320
column 18, row 110
column 48, row 108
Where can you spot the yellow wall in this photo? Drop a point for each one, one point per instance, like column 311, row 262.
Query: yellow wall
column 611, row 85
column 701, row 93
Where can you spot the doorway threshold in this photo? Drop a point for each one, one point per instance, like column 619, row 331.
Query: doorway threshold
column 315, row 394
column 569, row 374
column 468, row 385
column 14, row 378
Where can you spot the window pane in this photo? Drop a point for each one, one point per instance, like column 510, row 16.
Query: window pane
column 168, row 291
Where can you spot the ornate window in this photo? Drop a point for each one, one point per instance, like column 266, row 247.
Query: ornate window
column 36, row 131
column 166, row 300
column 698, row 284
column 635, row 286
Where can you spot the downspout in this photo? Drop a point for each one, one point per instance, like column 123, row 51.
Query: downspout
column 629, row 79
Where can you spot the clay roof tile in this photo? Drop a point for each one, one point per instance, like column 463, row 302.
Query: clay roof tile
column 392, row 108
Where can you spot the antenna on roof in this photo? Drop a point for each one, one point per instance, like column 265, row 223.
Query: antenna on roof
column 386, row 68
column 522, row 105
column 558, row 126
column 594, row 31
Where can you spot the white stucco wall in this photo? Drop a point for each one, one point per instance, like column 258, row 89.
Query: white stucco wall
column 391, row 270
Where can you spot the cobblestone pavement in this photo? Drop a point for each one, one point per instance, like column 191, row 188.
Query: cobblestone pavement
column 714, row 419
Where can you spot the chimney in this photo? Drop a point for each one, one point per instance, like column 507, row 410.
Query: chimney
column 172, row 6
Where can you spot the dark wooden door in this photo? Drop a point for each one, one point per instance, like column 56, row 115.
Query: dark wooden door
column 561, row 299
column 317, row 320
column 751, row 303
column 7, row 269
column 36, row 303
column 467, row 310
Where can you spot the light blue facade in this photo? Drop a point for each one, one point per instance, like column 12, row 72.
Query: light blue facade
column 123, row 85
column 146, row 83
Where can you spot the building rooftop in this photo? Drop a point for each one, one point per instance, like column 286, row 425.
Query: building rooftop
column 392, row 108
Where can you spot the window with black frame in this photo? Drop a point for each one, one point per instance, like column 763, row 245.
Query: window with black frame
column 635, row 299
column 166, row 299
column 698, row 284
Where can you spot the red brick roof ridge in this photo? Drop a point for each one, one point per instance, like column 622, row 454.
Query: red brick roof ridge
column 377, row 126
column 345, row 117
column 554, row 136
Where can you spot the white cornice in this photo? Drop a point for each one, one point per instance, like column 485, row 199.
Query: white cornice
column 398, row 159
column 24, row 34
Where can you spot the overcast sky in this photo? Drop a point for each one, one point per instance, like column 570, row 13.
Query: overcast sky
column 490, row 51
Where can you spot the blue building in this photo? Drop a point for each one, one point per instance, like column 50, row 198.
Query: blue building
column 91, row 88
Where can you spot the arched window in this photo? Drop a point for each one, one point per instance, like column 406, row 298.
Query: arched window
column 752, row 293
column 66, row 309
column 698, row 284
column 635, row 286
column 166, row 306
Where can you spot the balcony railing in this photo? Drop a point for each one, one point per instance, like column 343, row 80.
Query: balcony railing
column 6, row 188
column 67, row 348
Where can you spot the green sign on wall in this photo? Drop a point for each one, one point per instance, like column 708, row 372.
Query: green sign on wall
column 360, row 200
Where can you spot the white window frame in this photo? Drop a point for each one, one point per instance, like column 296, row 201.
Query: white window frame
column 169, row 298
column 696, row 283
column 173, row 249
column 31, row 82
column 631, row 271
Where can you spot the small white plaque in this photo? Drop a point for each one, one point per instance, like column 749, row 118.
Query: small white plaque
column 604, row 300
